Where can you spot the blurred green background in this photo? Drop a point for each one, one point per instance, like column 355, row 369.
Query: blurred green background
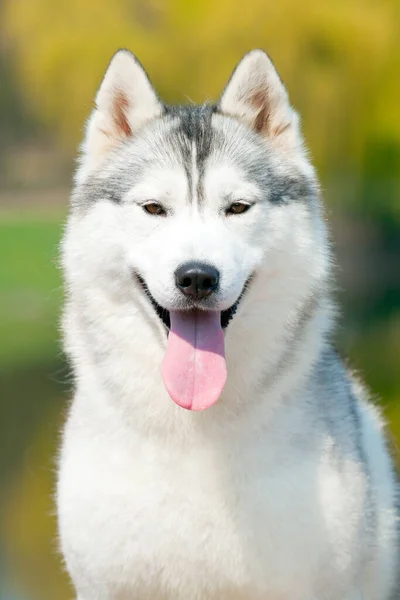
column 340, row 60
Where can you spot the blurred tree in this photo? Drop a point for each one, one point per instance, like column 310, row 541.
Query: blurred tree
column 340, row 59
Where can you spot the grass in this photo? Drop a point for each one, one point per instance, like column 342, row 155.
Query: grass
column 30, row 291
column 31, row 294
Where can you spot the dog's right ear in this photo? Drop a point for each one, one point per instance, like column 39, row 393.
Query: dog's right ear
column 125, row 101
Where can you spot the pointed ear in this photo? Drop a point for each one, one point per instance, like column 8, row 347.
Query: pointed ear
column 256, row 95
column 125, row 101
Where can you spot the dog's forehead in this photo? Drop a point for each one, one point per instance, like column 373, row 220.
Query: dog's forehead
column 201, row 136
column 196, row 154
column 215, row 154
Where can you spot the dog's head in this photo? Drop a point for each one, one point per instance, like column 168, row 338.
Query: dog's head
column 183, row 208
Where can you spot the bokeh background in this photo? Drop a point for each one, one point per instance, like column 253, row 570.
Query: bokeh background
column 340, row 60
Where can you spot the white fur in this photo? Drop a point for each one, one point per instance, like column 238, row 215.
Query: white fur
column 253, row 499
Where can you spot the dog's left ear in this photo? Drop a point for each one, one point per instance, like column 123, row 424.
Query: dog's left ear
column 256, row 96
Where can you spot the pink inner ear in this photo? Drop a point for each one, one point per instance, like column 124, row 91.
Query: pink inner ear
column 259, row 100
column 120, row 109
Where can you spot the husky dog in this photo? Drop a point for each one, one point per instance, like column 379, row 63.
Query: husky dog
column 216, row 447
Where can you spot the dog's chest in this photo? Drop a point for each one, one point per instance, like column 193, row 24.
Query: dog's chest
column 188, row 518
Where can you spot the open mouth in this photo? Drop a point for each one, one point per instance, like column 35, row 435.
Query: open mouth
column 194, row 368
column 226, row 315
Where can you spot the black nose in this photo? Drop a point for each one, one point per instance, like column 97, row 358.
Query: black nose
column 196, row 279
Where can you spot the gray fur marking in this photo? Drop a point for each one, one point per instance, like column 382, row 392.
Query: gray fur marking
column 295, row 339
column 169, row 140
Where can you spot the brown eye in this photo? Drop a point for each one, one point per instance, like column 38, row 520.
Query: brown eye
column 154, row 208
column 238, row 208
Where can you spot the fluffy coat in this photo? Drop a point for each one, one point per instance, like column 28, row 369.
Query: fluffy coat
column 284, row 489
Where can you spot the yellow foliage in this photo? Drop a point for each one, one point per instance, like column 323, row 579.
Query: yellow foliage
column 29, row 528
column 339, row 58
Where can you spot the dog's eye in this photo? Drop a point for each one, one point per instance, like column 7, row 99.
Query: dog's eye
column 154, row 208
column 238, row 208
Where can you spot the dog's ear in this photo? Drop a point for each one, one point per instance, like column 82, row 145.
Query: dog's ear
column 125, row 101
column 256, row 95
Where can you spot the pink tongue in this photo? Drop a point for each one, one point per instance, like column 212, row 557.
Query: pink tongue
column 194, row 368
